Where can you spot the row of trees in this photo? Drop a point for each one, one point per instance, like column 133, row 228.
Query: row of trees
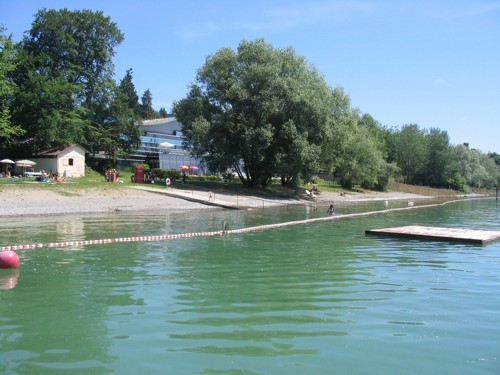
column 266, row 112
column 426, row 157
column 57, row 87
column 261, row 111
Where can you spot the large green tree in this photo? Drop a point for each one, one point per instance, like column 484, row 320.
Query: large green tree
column 7, row 89
column 411, row 152
column 354, row 147
column 436, row 171
column 468, row 163
column 116, row 130
column 492, row 169
column 65, row 77
column 146, row 107
column 260, row 110
column 128, row 92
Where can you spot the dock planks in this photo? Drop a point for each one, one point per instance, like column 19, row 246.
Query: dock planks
column 471, row 236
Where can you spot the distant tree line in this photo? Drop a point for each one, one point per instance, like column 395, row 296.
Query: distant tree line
column 266, row 113
column 258, row 110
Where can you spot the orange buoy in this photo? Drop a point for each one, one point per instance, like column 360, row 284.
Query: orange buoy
column 9, row 259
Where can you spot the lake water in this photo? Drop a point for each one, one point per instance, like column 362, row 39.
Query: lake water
column 317, row 298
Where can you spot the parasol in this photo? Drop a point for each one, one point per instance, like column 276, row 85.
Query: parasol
column 7, row 162
column 25, row 163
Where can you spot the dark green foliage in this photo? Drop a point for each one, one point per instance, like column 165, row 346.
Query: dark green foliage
column 66, row 90
column 258, row 110
column 457, row 182
column 128, row 93
column 146, row 108
column 162, row 113
column 8, row 90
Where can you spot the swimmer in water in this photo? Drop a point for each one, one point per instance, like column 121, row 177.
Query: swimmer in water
column 331, row 210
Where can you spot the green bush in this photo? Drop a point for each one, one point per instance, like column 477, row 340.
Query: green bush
column 457, row 182
column 173, row 174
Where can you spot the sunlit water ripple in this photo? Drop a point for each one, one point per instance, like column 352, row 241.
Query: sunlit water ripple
column 322, row 297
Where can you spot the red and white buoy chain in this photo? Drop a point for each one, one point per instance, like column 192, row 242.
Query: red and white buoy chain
column 166, row 236
column 201, row 234
column 110, row 240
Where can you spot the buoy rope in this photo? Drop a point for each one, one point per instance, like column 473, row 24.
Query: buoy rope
column 208, row 234
column 109, row 240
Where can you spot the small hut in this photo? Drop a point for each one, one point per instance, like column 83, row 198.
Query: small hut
column 65, row 161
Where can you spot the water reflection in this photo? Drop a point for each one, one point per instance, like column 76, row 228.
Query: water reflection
column 296, row 298
column 262, row 289
column 8, row 278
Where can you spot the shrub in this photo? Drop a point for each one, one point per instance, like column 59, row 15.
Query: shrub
column 173, row 174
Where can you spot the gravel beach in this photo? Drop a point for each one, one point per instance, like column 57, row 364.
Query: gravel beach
column 27, row 201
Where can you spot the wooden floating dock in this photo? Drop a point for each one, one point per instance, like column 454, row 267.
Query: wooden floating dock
column 471, row 236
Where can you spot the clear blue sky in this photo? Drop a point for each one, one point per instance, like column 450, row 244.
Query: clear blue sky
column 432, row 63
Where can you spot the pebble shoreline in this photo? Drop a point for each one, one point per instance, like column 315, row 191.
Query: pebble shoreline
column 37, row 202
column 34, row 202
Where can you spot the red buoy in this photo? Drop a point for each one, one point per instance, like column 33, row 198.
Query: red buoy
column 9, row 259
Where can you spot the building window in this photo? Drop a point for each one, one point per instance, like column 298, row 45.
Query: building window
column 68, row 161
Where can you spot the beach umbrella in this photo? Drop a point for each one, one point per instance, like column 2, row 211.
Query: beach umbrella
column 184, row 167
column 7, row 162
column 25, row 163
column 194, row 167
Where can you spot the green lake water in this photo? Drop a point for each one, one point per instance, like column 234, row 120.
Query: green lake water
column 316, row 298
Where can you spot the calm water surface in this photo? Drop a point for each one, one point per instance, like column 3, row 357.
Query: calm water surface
column 318, row 298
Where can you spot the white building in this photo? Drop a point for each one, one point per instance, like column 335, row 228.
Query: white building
column 67, row 162
column 161, row 145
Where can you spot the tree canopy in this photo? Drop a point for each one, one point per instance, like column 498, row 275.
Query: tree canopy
column 265, row 112
column 66, row 91
column 259, row 110
column 8, row 89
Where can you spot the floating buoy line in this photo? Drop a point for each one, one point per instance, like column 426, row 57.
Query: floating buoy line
column 225, row 231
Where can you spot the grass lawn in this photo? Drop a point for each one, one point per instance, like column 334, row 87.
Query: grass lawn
column 94, row 179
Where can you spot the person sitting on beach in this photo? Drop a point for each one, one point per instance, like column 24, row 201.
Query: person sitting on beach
column 331, row 210
column 315, row 190
column 310, row 194
column 59, row 179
